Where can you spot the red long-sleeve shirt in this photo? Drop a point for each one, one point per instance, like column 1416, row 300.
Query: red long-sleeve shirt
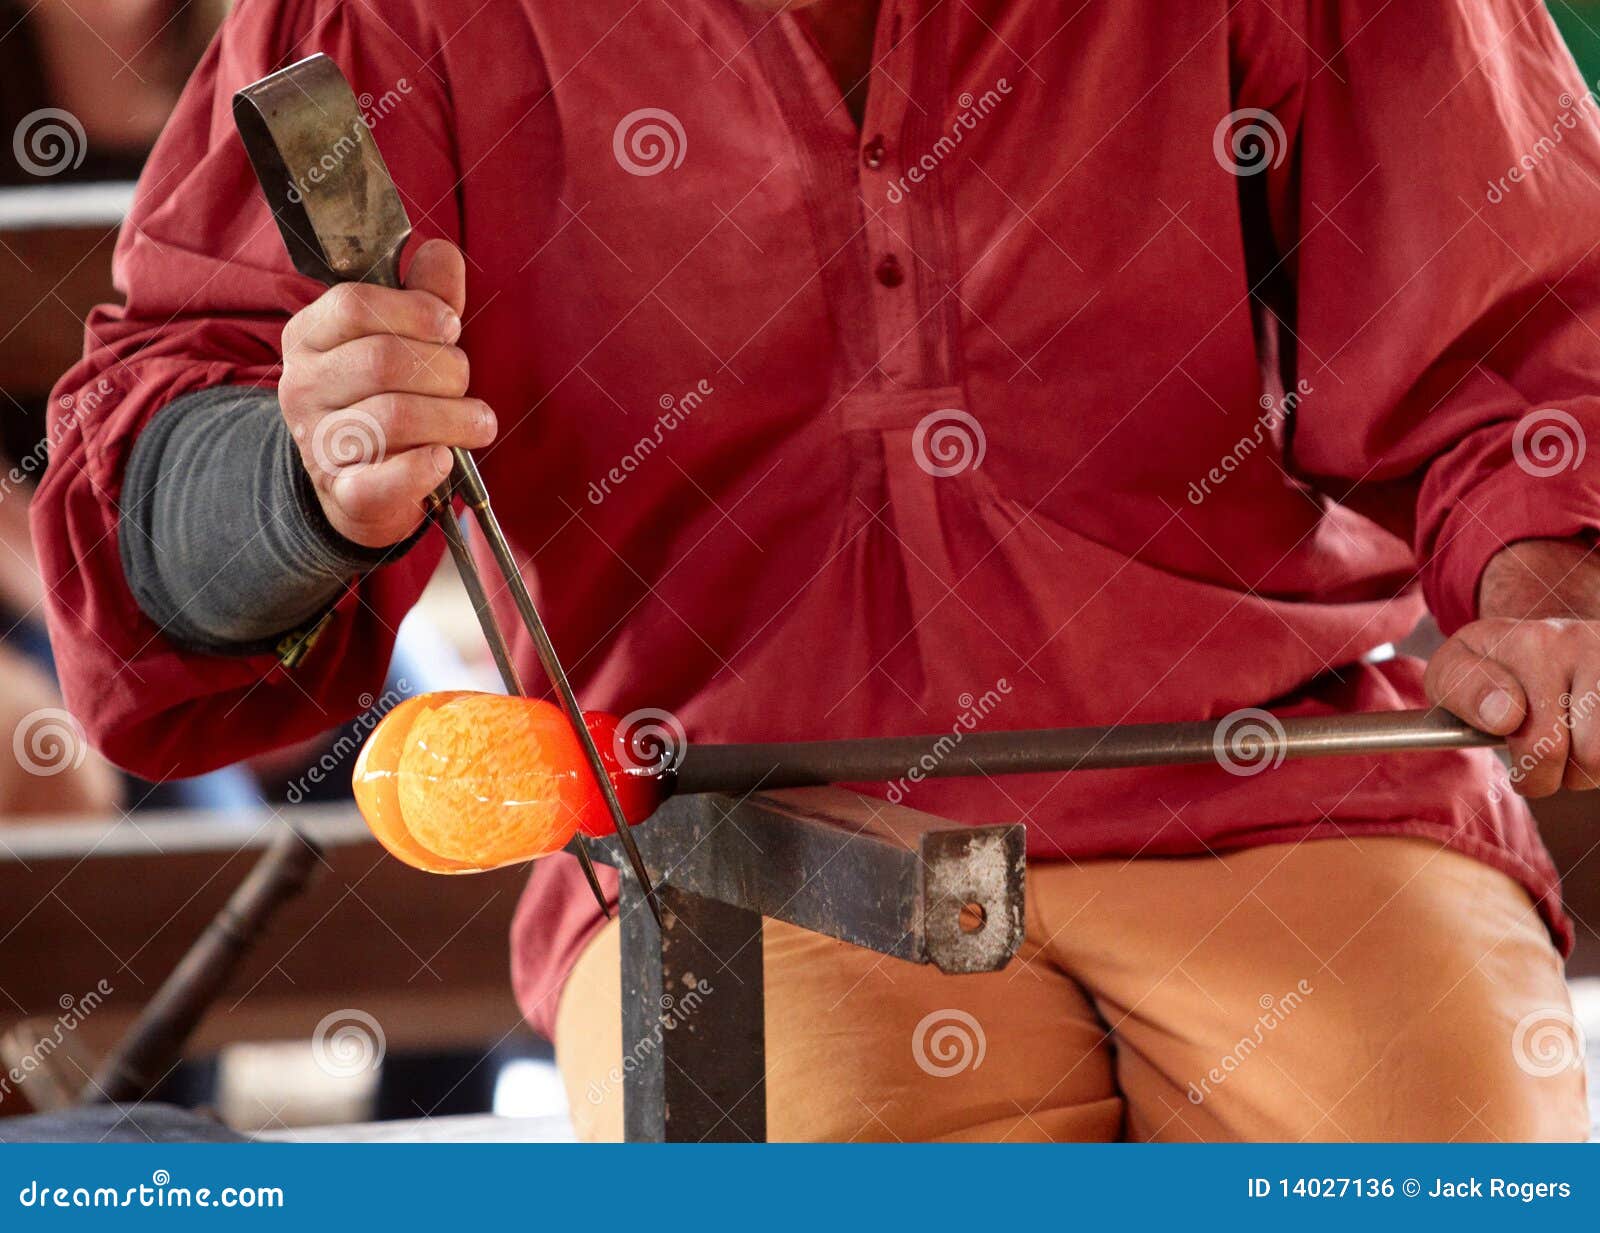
column 1044, row 236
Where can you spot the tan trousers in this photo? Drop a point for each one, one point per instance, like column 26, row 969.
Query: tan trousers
column 1342, row 989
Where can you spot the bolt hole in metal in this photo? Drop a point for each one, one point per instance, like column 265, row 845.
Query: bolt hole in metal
column 972, row 917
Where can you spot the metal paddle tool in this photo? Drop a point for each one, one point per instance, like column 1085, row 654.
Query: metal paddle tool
column 342, row 220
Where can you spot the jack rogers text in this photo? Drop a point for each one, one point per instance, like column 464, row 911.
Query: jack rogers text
column 1406, row 1188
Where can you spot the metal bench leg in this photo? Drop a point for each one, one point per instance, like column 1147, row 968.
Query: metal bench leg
column 693, row 1020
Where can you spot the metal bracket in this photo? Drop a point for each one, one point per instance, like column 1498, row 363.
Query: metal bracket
column 856, row 868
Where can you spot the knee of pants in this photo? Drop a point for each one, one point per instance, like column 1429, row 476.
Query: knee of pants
column 1478, row 1069
column 1476, row 1065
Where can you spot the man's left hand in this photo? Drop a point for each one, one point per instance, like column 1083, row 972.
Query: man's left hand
column 1529, row 668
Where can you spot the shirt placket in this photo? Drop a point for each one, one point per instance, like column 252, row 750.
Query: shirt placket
column 892, row 272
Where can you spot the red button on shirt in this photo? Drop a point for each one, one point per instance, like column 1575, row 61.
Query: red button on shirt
column 1130, row 539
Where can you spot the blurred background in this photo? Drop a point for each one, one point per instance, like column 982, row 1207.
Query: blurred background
column 396, row 1002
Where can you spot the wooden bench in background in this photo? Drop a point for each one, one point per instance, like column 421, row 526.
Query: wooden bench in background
column 121, row 902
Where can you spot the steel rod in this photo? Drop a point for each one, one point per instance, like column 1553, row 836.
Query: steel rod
column 444, row 517
column 1252, row 740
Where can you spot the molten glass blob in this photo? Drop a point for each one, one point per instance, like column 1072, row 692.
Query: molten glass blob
column 377, row 784
column 459, row 782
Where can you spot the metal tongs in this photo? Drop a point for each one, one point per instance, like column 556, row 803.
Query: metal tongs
column 342, row 220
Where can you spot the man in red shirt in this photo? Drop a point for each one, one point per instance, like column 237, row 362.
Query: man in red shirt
column 1113, row 363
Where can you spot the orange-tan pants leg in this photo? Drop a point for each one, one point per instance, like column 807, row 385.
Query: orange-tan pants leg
column 1371, row 989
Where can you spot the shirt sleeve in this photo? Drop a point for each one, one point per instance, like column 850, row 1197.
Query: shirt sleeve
column 1435, row 195
column 208, row 289
column 223, row 541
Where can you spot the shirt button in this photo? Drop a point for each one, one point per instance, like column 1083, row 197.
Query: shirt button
column 874, row 152
column 889, row 272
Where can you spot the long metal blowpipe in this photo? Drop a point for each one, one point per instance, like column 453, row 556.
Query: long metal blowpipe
column 1247, row 742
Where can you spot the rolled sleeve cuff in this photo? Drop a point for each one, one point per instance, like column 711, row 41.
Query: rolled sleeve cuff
column 1547, row 487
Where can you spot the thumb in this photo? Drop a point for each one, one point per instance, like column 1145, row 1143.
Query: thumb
column 1478, row 689
column 438, row 267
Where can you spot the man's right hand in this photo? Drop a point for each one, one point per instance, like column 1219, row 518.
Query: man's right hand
column 374, row 392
